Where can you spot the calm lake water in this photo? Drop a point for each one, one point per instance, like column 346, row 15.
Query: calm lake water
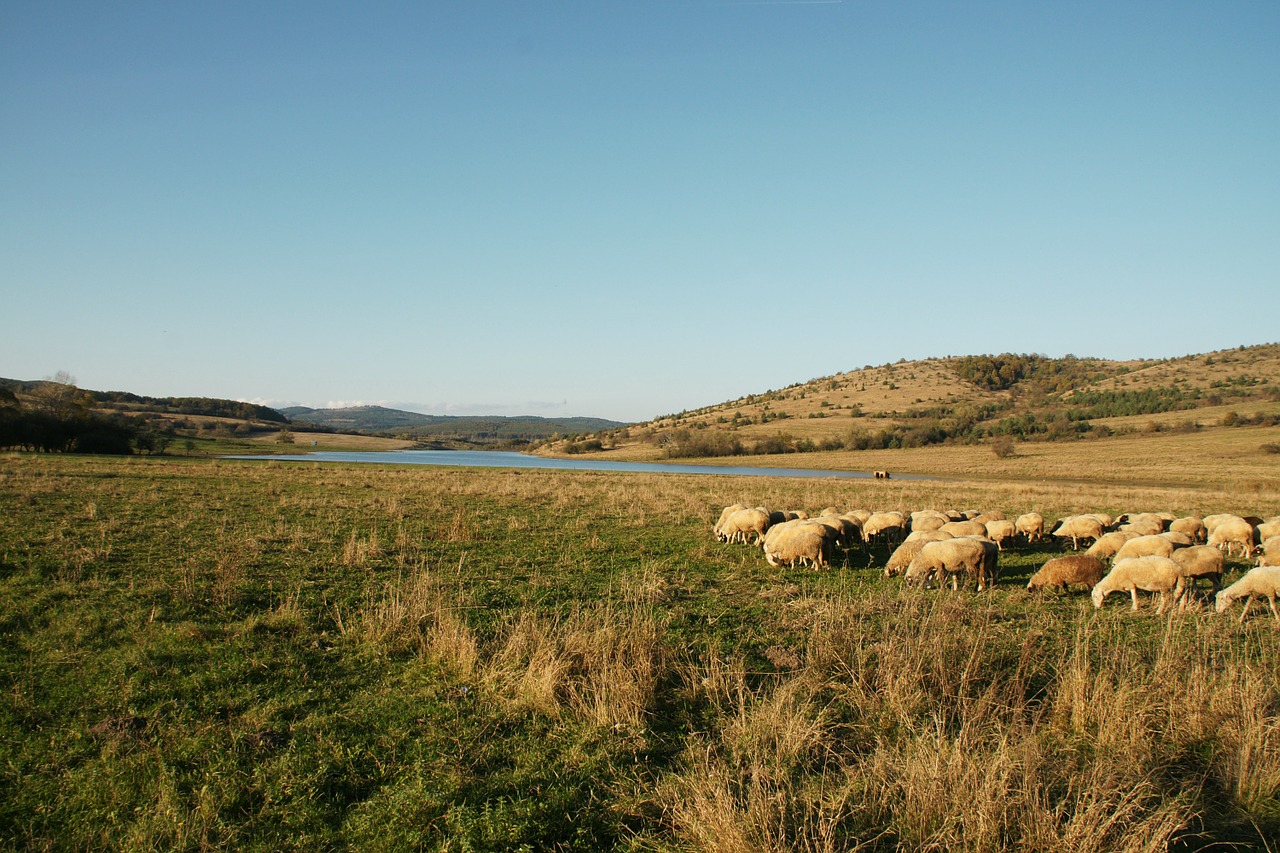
column 495, row 459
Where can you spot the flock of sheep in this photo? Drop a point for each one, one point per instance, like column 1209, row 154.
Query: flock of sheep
column 1153, row 552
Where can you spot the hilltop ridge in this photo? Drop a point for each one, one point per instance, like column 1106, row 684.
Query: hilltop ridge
column 961, row 399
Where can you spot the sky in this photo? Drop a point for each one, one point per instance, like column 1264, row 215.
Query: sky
column 624, row 209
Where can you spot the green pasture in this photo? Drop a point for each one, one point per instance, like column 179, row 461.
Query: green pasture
column 258, row 655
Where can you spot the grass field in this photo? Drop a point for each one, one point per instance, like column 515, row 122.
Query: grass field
column 203, row 654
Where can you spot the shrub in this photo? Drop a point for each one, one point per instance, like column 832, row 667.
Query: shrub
column 1003, row 447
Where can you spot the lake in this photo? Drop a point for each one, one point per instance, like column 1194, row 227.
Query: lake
column 496, row 459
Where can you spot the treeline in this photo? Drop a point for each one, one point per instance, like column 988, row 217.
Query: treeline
column 1040, row 373
column 1087, row 405
column 80, row 431
column 204, row 406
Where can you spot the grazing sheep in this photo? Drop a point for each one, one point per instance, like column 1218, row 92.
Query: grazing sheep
column 830, row 510
column 1199, row 561
column 890, row 525
column 1107, row 546
column 1145, row 525
column 1269, row 553
column 1178, row 538
column 1105, row 520
column 846, row 530
column 1145, row 546
column 738, row 526
column 998, row 530
column 1077, row 527
column 951, row 558
column 910, row 547
column 718, row 529
column 927, row 519
column 1267, row 529
column 1259, row 582
column 988, row 515
column 965, row 528
column 1153, row 574
column 1062, row 572
column 1190, row 525
column 1030, row 525
column 861, row 514
column 805, row 542
column 1212, row 521
column 1233, row 533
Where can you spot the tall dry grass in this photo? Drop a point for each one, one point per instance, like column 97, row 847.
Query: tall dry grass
column 927, row 725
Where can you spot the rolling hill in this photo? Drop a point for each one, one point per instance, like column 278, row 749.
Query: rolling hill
column 472, row 429
column 965, row 399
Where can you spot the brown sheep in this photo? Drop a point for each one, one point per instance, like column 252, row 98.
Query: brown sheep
column 1062, row 572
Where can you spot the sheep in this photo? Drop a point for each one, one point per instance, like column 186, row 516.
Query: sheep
column 1145, row 525
column 949, row 557
column 861, row 514
column 1145, row 546
column 988, row 515
column 1107, row 546
column 927, row 519
column 801, row 541
column 1153, row 574
column 1267, row 529
column 1178, row 538
column 1259, row 582
column 1232, row 533
column 1190, row 525
column 831, row 510
column 1030, row 525
column 888, row 525
column 1062, row 572
column 1077, row 527
column 846, row 530
column 724, row 516
column 910, row 547
column 998, row 530
column 965, row 528
column 743, row 522
column 1199, row 561
column 1269, row 553
column 1105, row 520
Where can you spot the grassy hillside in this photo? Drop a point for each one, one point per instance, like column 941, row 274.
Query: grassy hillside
column 204, row 654
column 966, row 400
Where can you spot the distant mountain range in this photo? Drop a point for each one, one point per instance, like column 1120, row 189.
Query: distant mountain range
column 481, row 428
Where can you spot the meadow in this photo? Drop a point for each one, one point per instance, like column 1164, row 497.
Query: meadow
column 213, row 654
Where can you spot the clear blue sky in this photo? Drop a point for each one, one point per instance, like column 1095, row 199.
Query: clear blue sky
column 624, row 209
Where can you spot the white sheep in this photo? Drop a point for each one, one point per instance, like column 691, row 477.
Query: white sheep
column 1077, row 527
column 1000, row 530
column 718, row 529
column 744, row 523
column 1109, row 543
column 910, row 547
column 965, row 528
column 889, row 525
column 1145, row 546
column 927, row 519
column 1199, row 561
column 951, row 558
column 1269, row 551
column 1152, row 574
column 804, row 542
column 1233, row 533
column 1030, row 525
column 1259, row 582
column 1190, row 525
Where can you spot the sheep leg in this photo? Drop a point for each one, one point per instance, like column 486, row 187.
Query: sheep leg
column 1271, row 599
column 1247, row 601
column 1134, row 593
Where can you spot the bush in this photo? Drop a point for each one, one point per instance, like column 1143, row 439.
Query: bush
column 1003, row 447
column 1271, row 447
